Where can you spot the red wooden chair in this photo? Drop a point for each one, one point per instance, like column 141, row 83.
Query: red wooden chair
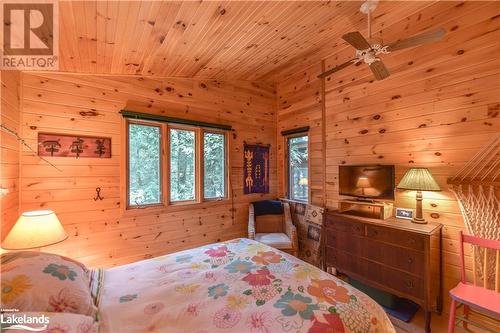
column 474, row 296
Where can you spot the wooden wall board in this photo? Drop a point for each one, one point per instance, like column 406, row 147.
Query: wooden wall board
column 437, row 109
column 300, row 104
column 103, row 233
column 10, row 150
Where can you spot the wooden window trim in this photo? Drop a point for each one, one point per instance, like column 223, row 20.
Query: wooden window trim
column 166, row 203
column 127, row 163
column 287, row 166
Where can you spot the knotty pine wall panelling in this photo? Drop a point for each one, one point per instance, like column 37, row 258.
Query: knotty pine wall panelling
column 104, row 233
column 300, row 104
column 9, row 145
column 440, row 105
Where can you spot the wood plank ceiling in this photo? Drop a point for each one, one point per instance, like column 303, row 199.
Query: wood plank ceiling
column 246, row 40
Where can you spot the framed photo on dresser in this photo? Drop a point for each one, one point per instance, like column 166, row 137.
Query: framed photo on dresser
column 404, row 213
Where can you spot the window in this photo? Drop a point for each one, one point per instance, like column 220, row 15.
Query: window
column 214, row 169
column 144, row 185
column 298, row 177
column 182, row 165
column 194, row 168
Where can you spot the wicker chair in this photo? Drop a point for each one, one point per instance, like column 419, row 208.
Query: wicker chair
column 273, row 228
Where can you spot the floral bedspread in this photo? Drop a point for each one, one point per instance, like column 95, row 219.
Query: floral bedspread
column 234, row 286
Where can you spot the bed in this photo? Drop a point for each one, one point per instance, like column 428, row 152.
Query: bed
column 234, row 286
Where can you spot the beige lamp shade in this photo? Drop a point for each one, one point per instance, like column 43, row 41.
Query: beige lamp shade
column 35, row 229
column 418, row 179
column 363, row 182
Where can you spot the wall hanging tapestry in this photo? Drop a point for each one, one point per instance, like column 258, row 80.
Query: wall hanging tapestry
column 256, row 168
column 62, row 145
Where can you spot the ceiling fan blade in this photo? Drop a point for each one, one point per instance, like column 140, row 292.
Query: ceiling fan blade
column 424, row 38
column 336, row 68
column 379, row 70
column 357, row 40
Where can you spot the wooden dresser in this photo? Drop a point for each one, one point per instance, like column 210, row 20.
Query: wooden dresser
column 393, row 255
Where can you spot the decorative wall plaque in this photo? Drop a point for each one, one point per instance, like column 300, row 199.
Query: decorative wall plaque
column 63, row 145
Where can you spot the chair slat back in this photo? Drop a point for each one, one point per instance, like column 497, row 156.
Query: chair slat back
column 488, row 247
column 497, row 272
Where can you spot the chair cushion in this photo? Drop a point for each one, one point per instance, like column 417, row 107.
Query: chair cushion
column 477, row 297
column 267, row 207
column 269, row 223
column 275, row 239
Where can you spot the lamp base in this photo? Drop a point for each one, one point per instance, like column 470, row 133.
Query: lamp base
column 418, row 221
column 418, row 218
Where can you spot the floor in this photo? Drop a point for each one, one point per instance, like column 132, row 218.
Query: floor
column 439, row 324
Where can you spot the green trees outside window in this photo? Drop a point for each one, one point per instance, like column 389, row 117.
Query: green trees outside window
column 214, row 165
column 144, row 165
column 182, row 165
column 298, row 168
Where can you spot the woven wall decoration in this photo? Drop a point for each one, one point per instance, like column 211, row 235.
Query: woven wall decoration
column 477, row 189
column 255, row 168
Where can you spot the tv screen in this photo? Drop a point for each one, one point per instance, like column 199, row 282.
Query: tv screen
column 367, row 181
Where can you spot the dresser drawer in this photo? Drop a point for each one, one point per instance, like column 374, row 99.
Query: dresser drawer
column 397, row 237
column 346, row 226
column 403, row 282
column 344, row 241
column 405, row 259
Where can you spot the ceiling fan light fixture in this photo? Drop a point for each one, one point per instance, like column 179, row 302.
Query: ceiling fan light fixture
column 368, row 6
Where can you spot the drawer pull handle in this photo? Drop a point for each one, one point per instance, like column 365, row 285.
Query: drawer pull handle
column 375, row 232
column 410, row 284
column 412, row 241
column 410, row 260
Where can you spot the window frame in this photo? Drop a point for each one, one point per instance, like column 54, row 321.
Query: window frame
column 165, row 167
column 127, row 164
column 287, row 180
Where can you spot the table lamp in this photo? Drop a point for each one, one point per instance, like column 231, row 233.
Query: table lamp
column 418, row 179
column 35, row 229
column 363, row 183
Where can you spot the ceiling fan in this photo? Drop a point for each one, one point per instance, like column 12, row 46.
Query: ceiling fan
column 368, row 50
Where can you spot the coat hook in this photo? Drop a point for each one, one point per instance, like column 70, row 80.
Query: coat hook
column 98, row 194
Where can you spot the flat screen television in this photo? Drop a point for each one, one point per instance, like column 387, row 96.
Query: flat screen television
column 367, row 181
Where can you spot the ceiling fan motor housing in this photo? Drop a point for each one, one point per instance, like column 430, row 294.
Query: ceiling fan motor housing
column 368, row 6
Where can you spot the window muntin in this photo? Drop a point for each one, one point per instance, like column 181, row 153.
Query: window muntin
column 182, row 165
column 298, row 168
column 214, row 165
column 144, row 165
